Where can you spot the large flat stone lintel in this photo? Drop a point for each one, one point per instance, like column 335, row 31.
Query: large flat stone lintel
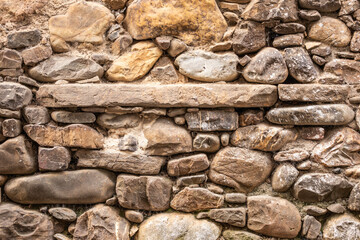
column 174, row 95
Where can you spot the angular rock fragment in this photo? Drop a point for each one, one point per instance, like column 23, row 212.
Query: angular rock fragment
column 196, row 199
column 316, row 187
column 207, row 66
column 111, row 121
column 235, row 167
column 190, row 180
column 251, row 117
column 212, row 120
column 309, row 15
column 34, row 55
column 11, row 127
column 22, row 39
column 53, row 159
column 73, row 117
column 187, row 165
column 144, row 192
column 284, row 177
column 68, row 187
column 176, row 47
column 10, row 59
column 235, row 197
column 36, row 114
column 289, row 28
column 232, row 216
column 248, row 37
column 347, row 70
column 345, row 227
column 291, row 40
column 206, row 142
column 322, row 6
column 232, row 234
column 165, row 72
column 311, row 228
column 14, row 96
column 354, row 199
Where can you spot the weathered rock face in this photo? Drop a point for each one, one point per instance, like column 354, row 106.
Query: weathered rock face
column 187, row 165
column 239, row 235
column 135, row 64
column 322, row 6
column 339, row 149
column 110, row 121
column 68, row 187
column 286, row 11
column 73, row 117
column 311, row 227
column 268, row 66
column 235, row 167
column 53, row 159
column 17, row 157
column 64, row 67
column 166, row 138
column 262, row 137
column 172, row 226
column 206, row 142
column 284, row 177
column 295, row 151
column 354, row 199
column 316, row 187
column 83, row 22
column 14, row 96
column 144, row 192
column 232, row 216
column 50, row 136
column 34, row 55
column 36, row 114
column 101, row 222
column 17, row 223
column 10, row 59
column 63, row 214
column 332, row 31
column 119, row 161
column 347, row 70
column 196, row 199
column 332, row 114
column 248, row 37
column 207, row 66
column 212, row 120
column 21, row 39
column 273, row 216
column 194, row 22
column 345, row 226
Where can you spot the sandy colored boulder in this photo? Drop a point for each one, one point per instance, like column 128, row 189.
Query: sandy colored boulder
column 235, row 167
column 186, row 165
column 195, row 22
column 83, row 22
column 50, row 136
column 69, row 187
column 342, row 227
column 273, row 216
column 20, row 97
column 332, row 31
column 135, row 64
column 196, row 199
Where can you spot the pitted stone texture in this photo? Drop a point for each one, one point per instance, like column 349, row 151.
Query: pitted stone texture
column 196, row 199
column 195, row 22
column 332, row 31
column 143, row 192
column 317, row 187
column 212, row 120
column 83, row 22
column 50, row 136
column 267, row 10
column 347, row 70
column 119, row 161
column 17, row 223
column 331, row 114
column 174, row 226
column 14, row 96
column 248, row 37
column 172, row 95
column 17, row 156
column 64, row 67
column 311, row 227
column 273, row 216
column 186, row 165
column 68, row 187
column 101, row 222
column 135, row 64
column 268, row 66
column 339, row 149
column 263, row 137
column 342, row 227
column 322, row 6
column 235, row 167
column 207, row 66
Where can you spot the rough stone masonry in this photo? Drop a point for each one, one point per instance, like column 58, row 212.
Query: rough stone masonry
column 179, row 119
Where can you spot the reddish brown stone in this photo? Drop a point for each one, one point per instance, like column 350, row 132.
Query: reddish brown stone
column 53, row 159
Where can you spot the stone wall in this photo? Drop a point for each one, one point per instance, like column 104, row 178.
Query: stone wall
column 179, row 119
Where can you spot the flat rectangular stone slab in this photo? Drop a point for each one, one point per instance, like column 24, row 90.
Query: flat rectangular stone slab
column 172, row 95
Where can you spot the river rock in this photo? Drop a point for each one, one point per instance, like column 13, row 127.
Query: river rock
column 195, row 22
column 165, row 138
column 111, row 121
column 339, row 149
column 10, row 59
column 135, row 64
column 174, row 226
column 232, row 216
column 11, row 127
column 64, row 67
column 322, row 6
column 50, row 136
column 53, row 159
column 83, row 22
column 300, row 65
column 73, row 117
column 286, row 11
column 344, row 227
column 196, row 199
column 317, row 187
column 209, row 67
column 235, row 167
column 268, row 66
column 119, row 161
column 284, row 177
column 273, row 216
column 212, row 120
column 17, row 223
column 347, row 70
column 331, row 114
column 262, row 137
column 232, row 234
column 101, row 222
column 14, row 96
column 332, row 31
column 206, row 142
column 187, row 165
column 248, row 37
column 143, row 192
column 17, row 156
column 68, row 187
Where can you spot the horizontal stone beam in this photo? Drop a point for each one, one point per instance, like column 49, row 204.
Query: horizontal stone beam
column 174, row 95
